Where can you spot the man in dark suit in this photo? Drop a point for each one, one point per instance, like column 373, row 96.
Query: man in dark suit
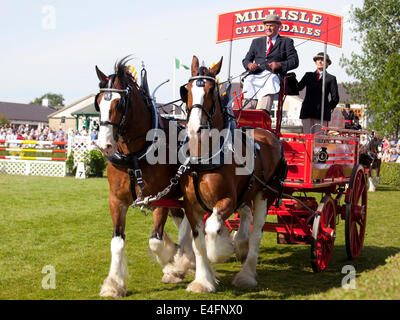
column 348, row 116
column 311, row 108
column 268, row 57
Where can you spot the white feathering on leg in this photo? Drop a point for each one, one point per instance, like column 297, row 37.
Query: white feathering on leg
column 218, row 239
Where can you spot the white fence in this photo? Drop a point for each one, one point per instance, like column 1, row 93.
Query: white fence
column 42, row 166
column 33, row 167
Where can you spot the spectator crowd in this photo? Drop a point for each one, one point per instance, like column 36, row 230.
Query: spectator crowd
column 390, row 149
column 26, row 132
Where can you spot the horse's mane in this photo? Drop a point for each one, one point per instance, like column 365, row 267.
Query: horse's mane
column 124, row 77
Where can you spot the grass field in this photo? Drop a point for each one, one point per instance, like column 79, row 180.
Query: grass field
column 65, row 223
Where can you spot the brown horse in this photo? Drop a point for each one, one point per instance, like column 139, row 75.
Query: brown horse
column 126, row 116
column 221, row 190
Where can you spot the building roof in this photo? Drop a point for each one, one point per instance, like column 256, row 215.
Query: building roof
column 89, row 110
column 82, row 106
column 25, row 112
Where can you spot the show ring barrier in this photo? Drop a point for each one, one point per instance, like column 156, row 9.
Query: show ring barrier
column 14, row 161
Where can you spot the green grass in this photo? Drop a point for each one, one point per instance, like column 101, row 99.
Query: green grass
column 65, row 223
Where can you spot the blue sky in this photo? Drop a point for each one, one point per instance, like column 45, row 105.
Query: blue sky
column 41, row 54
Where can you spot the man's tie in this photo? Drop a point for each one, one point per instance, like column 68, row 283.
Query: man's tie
column 270, row 45
column 318, row 75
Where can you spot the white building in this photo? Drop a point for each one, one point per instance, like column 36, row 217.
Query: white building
column 75, row 116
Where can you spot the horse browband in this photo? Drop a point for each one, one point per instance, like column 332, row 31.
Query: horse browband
column 200, row 77
column 115, row 90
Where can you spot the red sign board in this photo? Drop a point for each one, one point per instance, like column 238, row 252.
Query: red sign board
column 296, row 22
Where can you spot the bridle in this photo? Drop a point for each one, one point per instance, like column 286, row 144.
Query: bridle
column 122, row 107
column 200, row 82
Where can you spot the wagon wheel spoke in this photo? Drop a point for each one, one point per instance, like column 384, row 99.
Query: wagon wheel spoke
column 356, row 241
column 323, row 235
column 360, row 191
column 356, row 213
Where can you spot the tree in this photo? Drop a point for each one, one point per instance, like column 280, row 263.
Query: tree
column 376, row 26
column 3, row 120
column 56, row 100
column 384, row 98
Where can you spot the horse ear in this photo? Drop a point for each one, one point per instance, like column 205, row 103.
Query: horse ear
column 100, row 75
column 217, row 68
column 195, row 66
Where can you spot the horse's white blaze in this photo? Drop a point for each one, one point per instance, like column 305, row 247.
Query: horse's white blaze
column 196, row 114
column 106, row 136
column 218, row 239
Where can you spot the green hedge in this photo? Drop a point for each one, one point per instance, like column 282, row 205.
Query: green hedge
column 390, row 174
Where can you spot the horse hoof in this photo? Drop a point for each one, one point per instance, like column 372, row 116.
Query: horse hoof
column 244, row 280
column 198, row 287
column 170, row 278
column 111, row 288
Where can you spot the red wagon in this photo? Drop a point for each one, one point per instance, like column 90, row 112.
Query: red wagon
column 326, row 163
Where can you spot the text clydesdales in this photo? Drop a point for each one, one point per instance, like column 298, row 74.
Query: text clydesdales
column 296, row 22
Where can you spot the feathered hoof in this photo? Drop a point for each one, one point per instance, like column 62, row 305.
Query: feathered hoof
column 111, row 288
column 176, row 272
column 244, row 280
column 171, row 278
column 198, row 287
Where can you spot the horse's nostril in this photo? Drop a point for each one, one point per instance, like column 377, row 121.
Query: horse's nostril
column 109, row 146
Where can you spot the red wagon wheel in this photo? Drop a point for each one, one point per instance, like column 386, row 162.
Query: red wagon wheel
column 323, row 234
column 356, row 213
